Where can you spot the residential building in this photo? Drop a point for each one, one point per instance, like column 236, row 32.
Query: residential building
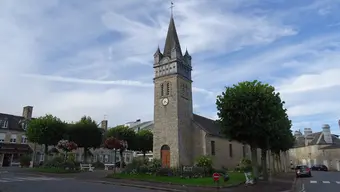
column 321, row 147
column 13, row 142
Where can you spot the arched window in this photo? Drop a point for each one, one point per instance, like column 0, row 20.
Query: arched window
column 167, row 88
column 162, row 90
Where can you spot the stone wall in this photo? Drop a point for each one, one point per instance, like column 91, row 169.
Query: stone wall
column 312, row 155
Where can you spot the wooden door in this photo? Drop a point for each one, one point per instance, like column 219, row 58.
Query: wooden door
column 165, row 156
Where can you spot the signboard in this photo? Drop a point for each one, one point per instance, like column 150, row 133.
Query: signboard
column 216, row 177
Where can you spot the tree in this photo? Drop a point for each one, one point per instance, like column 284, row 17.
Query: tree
column 86, row 134
column 247, row 112
column 127, row 138
column 127, row 134
column 47, row 130
column 145, row 141
column 284, row 139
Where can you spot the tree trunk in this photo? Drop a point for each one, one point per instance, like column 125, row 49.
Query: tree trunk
column 264, row 164
column 279, row 161
column 121, row 160
column 46, row 153
column 254, row 162
column 273, row 163
column 114, row 168
column 85, row 154
column 284, row 161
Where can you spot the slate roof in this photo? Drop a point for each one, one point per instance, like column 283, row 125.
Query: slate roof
column 171, row 40
column 208, row 125
column 13, row 122
column 317, row 139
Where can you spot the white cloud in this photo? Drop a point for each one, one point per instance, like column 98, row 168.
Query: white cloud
column 95, row 58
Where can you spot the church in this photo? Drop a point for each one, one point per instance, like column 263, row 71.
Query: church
column 180, row 136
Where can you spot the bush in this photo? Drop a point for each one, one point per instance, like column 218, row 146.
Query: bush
column 98, row 165
column 25, row 161
column 56, row 162
column 206, row 163
column 164, row 172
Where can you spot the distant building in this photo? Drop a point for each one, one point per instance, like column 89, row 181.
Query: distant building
column 14, row 143
column 321, row 147
column 139, row 125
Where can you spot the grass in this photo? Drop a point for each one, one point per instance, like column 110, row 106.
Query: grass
column 235, row 178
column 54, row 170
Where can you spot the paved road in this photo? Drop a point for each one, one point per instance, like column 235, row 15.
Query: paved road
column 322, row 181
column 16, row 182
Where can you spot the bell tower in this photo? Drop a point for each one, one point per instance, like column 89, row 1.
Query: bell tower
column 173, row 109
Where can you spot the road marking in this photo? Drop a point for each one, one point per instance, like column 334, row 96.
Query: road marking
column 338, row 182
column 16, row 179
column 326, row 182
column 313, row 182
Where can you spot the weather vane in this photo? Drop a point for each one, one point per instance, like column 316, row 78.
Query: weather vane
column 172, row 7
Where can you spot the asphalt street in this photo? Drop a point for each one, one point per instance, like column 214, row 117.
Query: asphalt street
column 321, row 181
column 14, row 182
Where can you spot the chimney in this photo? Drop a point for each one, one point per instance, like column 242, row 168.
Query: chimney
column 27, row 112
column 326, row 130
column 308, row 131
column 104, row 125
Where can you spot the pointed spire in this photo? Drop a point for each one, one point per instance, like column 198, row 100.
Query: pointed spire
column 158, row 52
column 172, row 41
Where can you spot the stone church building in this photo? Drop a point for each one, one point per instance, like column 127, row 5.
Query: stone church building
column 180, row 136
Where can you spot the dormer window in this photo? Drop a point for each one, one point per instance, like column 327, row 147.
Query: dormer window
column 4, row 123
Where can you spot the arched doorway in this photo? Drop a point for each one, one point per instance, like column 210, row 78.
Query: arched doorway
column 165, row 156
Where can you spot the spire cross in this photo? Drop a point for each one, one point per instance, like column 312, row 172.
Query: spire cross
column 171, row 8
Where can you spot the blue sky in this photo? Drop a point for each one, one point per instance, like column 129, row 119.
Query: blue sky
column 71, row 58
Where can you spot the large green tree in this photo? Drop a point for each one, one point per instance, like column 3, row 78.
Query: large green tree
column 85, row 133
column 127, row 134
column 144, row 141
column 123, row 134
column 247, row 112
column 46, row 130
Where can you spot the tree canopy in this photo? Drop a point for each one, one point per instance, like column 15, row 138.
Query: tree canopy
column 145, row 141
column 85, row 133
column 127, row 134
column 252, row 113
column 46, row 130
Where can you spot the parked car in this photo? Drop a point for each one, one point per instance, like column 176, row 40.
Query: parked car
column 319, row 168
column 303, row 170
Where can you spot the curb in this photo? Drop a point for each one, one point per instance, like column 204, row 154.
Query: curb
column 139, row 186
column 187, row 187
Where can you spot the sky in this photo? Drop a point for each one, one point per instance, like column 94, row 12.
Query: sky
column 85, row 57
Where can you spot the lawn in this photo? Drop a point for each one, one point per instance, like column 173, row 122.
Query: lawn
column 54, row 170
column 235, row 178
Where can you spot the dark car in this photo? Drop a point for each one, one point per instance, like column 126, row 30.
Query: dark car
column 319, row 168
column 303, row 171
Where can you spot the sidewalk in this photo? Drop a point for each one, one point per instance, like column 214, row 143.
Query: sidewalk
column 278, row 183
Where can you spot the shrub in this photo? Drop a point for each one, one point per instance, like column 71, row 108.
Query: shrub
column 69, row 165
column 206, row 163
column 155, row 165
column 164, row 172
column 98, row 165
column 25, row 161
column 56, row 162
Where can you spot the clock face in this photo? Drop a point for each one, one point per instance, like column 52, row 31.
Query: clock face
column 165, row 101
